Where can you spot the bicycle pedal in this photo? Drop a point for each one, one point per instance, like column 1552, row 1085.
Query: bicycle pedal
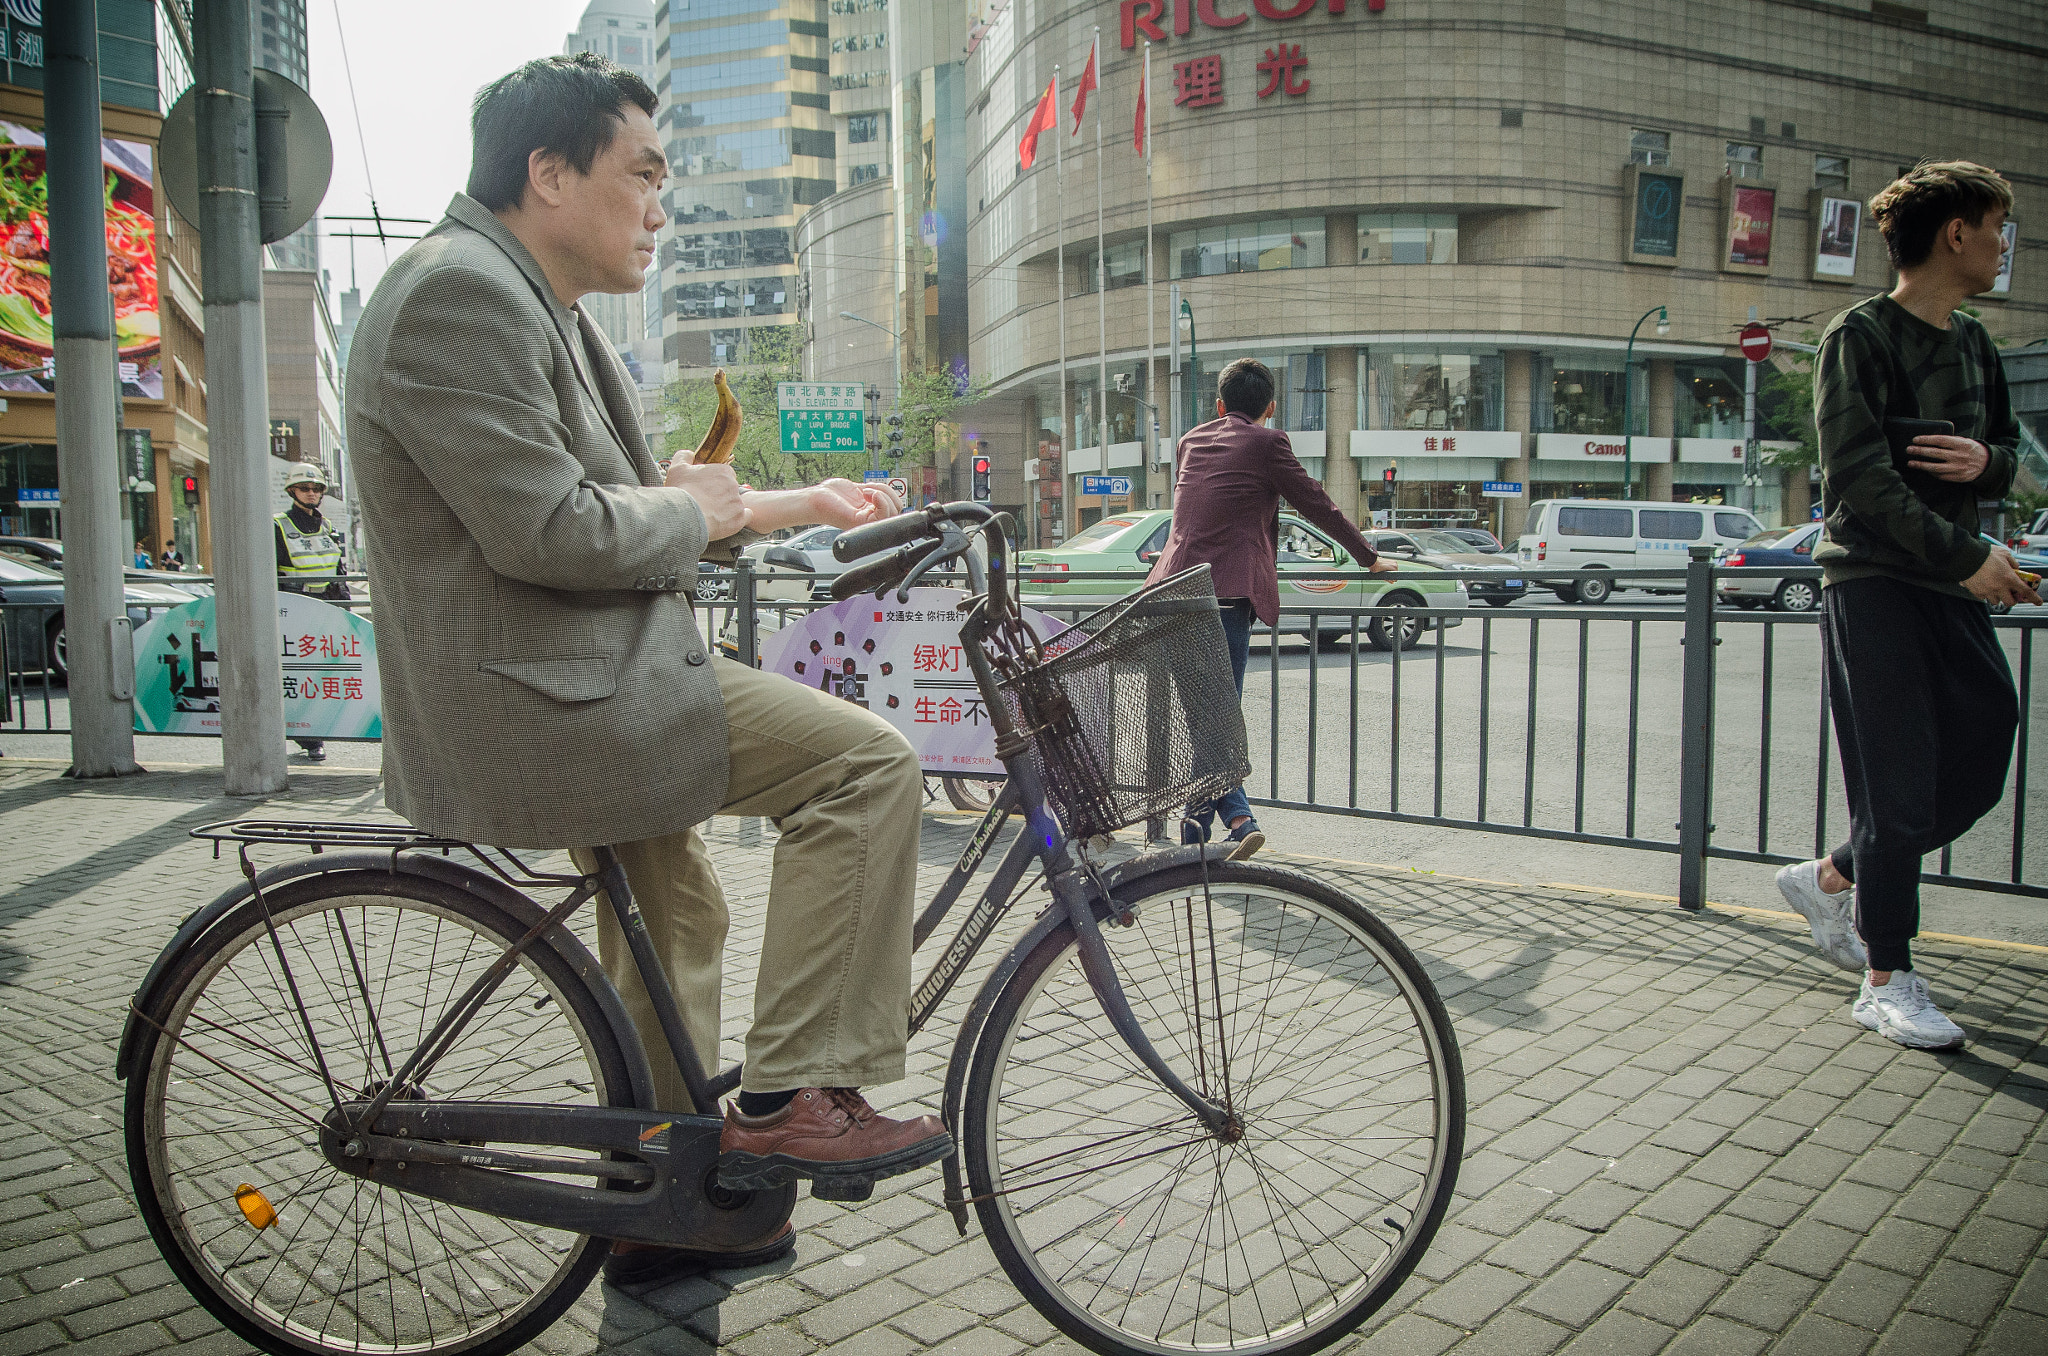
column 842, row 1189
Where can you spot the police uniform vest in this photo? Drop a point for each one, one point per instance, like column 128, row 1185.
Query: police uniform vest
column 313, row 554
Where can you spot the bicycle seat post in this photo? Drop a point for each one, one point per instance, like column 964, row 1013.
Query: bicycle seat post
column 620, row 896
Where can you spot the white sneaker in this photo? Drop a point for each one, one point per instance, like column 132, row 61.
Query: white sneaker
column 1902, row 1010
column 1831, row 916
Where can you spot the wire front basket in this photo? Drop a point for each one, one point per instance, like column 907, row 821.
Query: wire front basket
column 1133, row 712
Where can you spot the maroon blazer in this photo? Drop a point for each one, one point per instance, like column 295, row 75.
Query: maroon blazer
column 1226, row 511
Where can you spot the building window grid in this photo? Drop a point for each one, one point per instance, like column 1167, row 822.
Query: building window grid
column 1407, row 238
column 1745, row 160
column 1647, row 147
column 1831, row 173
column 1245, row 247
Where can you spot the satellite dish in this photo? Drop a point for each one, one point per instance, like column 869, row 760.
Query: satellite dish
column 294, row 155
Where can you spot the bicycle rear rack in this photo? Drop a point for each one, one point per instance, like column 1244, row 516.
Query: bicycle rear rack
column 317, row 836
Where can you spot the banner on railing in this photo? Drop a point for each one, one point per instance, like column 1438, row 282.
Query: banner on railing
column 904, row 662
column 330, row 671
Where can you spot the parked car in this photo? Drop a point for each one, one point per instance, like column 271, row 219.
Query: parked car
column 1779, row 546
column 1479, row 537
column 48, row 552
column 35, row 638
column 1613, row 534
column 1129, row 543
column 1453, row 551
column 815, row 545
column 2033, row 536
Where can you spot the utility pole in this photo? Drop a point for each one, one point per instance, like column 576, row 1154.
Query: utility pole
column 237, row 415
column 98, row 647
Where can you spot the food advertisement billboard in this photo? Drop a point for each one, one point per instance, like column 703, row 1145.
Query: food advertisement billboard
column 26, row 337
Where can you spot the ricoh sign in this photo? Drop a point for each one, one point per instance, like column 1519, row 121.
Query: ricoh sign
column 1201, row 81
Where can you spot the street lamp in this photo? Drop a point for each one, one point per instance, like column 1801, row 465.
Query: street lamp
column 875, row 450
column 1187, row 324
column 1628, row 388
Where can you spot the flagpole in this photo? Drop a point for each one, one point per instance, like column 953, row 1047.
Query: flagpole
column 1151, row 293
column 1059, row 161
column 1101, row 266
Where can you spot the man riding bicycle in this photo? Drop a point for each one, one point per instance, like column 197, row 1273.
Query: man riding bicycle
column 545, row 683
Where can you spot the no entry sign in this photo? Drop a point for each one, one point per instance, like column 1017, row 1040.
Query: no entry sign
column 1756, row 342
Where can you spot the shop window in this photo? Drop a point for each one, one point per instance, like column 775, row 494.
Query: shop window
column 1709, row 402
column 1248, row 247
column 1584, row 395
column 1831, row 173
column 1745, row 160
column 1303, row 395
column 1126, row 266
column 1408, row 238
column 1431, row 390
column 1649, row 148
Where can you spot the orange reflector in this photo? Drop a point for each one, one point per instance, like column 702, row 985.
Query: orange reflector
column 256, row 1207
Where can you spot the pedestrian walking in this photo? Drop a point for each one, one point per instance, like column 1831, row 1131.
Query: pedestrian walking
column 1916, row 426
column 310, row 553
column 1234, row 471
column 141, row 559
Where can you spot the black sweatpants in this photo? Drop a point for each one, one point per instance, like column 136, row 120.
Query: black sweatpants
column 1925, row 713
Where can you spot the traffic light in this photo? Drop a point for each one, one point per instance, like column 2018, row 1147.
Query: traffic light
column 981, row 479
column 1389, row 475
column 191, row 491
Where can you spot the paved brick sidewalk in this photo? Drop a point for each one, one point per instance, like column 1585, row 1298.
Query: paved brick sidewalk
column 1679, row 1141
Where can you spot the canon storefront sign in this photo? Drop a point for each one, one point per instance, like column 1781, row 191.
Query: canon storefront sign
column 1600, row 447
column 1150, row 18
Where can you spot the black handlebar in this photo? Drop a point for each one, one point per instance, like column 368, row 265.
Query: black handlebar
column 880, row 572
column 865, row 541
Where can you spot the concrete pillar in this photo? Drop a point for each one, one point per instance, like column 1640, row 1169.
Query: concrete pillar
column 1517, row 411
column 1798, row 498
column 1340, row 470
column 1657, row 478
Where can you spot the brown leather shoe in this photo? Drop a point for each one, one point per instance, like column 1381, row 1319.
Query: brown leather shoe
column 831, row 1136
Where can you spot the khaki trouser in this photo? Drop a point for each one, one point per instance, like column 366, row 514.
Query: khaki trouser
column 832, row 997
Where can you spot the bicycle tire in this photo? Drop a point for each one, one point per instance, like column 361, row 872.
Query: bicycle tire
column 1025, row 1185
column 227, row 998
column 974, row 794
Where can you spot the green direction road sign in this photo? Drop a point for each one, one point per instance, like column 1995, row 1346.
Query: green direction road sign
column 821, row 416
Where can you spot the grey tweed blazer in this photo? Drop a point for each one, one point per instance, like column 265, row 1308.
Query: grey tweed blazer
column 544, row 681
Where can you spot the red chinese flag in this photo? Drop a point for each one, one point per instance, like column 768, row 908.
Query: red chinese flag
column 1088, row 82
column 1138, row 123
column 1044, row 120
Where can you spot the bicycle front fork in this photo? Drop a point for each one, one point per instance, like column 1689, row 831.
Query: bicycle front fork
column 1221, row 1119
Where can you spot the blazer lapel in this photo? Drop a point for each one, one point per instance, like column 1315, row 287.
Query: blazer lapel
column 621, row 402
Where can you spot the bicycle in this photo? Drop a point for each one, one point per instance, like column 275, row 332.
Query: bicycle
column 379, row 1098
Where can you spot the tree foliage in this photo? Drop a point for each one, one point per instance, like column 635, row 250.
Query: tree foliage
column 1789, row 394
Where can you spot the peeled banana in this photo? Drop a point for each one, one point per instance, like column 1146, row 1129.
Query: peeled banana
column 724, row 433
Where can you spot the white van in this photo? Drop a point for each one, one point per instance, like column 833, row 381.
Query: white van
column 1613, row 534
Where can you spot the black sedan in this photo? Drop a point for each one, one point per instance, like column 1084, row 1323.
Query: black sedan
column 33, row 620
column 1446, row 552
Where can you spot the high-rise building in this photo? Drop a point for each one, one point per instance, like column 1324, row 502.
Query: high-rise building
column 860, row 88
column 747, row 117
column 277, row 41
column 622, row 30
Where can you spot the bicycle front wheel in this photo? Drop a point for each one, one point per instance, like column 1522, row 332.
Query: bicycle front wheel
column 232, row 1080
column 1130, row 1226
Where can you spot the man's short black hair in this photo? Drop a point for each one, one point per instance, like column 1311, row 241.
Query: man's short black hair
column 1246, row 388
column 566, row 104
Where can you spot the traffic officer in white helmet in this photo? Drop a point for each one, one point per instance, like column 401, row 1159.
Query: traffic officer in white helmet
column 309, row 555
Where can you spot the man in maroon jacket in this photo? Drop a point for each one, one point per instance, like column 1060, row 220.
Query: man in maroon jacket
column 1234, row 472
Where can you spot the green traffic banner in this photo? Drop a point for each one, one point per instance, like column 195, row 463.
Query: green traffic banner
column 821, row 416
column 330, row 671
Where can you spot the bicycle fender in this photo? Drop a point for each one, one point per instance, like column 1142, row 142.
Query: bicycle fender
column 968, row 1039
column 509, row 901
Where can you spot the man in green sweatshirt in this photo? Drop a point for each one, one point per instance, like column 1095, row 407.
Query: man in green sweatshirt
column 1923, row 701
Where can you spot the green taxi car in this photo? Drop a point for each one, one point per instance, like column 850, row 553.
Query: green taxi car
column 1128, row 544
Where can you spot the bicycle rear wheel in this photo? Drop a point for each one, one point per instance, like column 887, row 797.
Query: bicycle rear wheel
column 1133, row 1229
column 228, row 1092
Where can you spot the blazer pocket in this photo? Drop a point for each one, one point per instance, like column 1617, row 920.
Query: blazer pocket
column 568, row 678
